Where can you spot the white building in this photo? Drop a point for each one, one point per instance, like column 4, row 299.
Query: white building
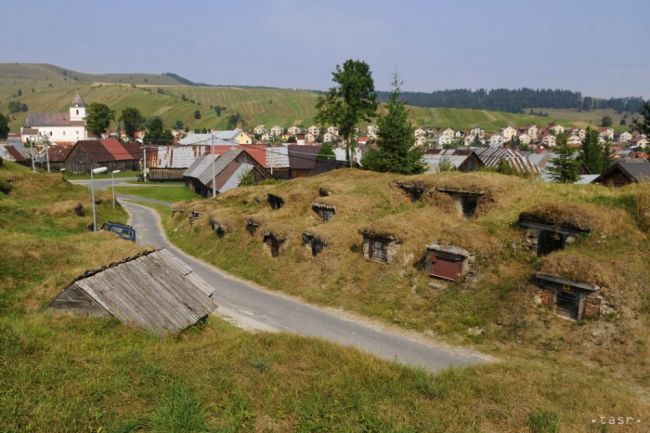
column 497, row 140
column 295, row 130
column 579, row 132
column 420, row 132
column 509, row 133
column 624, row 137
column 533, row 131
column 606, row 133
column 260, row 130
column 480, row 132
column 556, row 129
column 549, row 140
column 525, row 138
column 574, row 140
column 276, row 131
column 445, row 139
column 333, row 130
column 329, row 137
column 310, row 138
column 448, row 133
column 57, row 127
column 314, row 130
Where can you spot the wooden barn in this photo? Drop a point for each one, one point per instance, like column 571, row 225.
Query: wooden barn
column 626, row 171
column 109, row 152
column 153, row 290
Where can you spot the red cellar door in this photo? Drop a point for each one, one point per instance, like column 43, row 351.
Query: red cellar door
column 446, row 268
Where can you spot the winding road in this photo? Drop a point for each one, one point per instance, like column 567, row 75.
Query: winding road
column 252, row 307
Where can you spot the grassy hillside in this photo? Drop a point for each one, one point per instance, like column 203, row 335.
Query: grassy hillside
column 89, row 375
column 495, row 307
column 45, row 88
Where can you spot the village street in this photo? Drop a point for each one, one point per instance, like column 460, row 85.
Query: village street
column 254, row 308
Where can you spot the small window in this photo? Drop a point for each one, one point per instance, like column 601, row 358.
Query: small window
column 77, row 112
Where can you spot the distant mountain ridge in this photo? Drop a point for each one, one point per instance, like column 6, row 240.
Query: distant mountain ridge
column 45, row 71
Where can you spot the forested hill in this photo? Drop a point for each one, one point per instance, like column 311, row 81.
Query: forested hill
column 516, row 100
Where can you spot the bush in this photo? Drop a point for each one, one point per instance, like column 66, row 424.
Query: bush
column 5, row 186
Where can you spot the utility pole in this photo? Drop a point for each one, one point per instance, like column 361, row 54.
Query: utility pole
column 47, row 153
column 31, row 152
column 214, row 175
column 144, row 159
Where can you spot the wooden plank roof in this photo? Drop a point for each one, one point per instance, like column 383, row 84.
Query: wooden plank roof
column 153, row 290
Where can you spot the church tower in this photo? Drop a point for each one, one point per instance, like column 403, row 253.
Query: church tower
column 78, row 108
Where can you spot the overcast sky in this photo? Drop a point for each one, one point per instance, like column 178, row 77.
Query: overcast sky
column 597, row 47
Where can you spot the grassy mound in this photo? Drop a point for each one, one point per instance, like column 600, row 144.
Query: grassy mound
column 79, row 374
column 497, row 296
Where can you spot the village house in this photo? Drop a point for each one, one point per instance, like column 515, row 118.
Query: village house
column 533, row 131
column 471, row 140
column 624, row 137
column 639, row 140
column 420, row 132
column 524, row 138
column 420, row 140
column 153, row 290
column 169, row 162
column 277, row 131
column 333, row 130
column 260, row 130
column 549, row 140
column 445, row 140
column 311, row 138
column 480, row 132
column 372, row 131
column 509, row 133
column 606, row 134
column 496, row 140
column 448, row 132
column 57, row 127
column 329, row 137
column 574, row 141
column 266, row 137
column 556, row 129
column 314, row 130
column 295, row 130
column 579, row 132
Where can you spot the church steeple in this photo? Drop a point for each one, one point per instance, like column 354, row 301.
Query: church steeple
column 78, row 108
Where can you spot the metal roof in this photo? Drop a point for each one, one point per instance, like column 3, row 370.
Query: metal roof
column 277, row 157
column 564, row 282
column 175, row 156
column 200, row 164
column 491, row 156
column 637, row 169
column 230, row 180
column 154, row 290
column 51, row 119
column 221, row 163
column 214, row 138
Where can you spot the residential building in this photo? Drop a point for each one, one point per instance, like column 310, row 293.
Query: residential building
column 497, row 140
column 295, row 130
column 574, row 141
column 525, row 138
column 509, row 133
column 477, row 131
column 57, row 127
column 310, row 137
column 533, row 132
column 420, row 132
column 445, row 140
column 448, row 132
column 330, row 137
column 624, row 137
column 606, row 133
column 260, row 130
column 277, row 131
column 579, row 132
column 108, row 152
column 556, row 129
column 333, row 130
column 314, row 130
column 549, row 140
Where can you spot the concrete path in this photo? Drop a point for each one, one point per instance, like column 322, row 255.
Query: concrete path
column 251, row 307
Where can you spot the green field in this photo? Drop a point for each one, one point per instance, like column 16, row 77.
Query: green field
column 45, row 88
column 164, row 192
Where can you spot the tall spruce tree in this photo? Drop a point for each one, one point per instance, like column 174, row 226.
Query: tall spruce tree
column 644, row 126
column 395, row 140
column 594, row 155
column 565, row 165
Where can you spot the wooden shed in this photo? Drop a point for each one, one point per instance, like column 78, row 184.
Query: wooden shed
column 447, row 262
column 153, row 290
column 466, row 201
column 569, row 299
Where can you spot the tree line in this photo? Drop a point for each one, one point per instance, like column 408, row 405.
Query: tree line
column 515, row 100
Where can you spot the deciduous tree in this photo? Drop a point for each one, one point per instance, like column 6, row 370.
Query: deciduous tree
column 132, row 121
column 99, row 118
column 353, row 99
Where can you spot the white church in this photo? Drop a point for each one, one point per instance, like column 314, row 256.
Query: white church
column 57, row 127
